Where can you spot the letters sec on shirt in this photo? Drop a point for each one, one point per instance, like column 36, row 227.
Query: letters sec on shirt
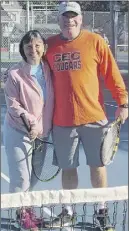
column 67, row 61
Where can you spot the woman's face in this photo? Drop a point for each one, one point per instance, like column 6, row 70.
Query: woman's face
column 34, row 51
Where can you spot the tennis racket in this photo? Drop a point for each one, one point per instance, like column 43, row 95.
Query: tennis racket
column 47, row 171
column 110, row 142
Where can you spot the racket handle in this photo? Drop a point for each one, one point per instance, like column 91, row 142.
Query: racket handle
column 26, row 122
column 118, row 120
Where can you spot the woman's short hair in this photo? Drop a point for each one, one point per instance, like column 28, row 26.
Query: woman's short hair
column 28, row 38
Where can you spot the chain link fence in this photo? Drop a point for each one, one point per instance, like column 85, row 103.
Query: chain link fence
column 17, row 19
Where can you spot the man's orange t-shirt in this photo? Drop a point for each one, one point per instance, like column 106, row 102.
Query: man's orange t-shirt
column 77, row 66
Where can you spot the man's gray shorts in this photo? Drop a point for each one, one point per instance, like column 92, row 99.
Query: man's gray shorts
column 67, row 139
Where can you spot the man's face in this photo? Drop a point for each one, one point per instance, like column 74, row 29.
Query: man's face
column 70, row 21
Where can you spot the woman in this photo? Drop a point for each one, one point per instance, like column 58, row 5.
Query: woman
column 28, row 90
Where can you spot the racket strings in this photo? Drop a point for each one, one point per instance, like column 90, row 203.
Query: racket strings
column 48, row 170
column 110, row 143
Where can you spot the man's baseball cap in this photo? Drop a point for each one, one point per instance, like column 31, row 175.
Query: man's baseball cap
column 69, row 6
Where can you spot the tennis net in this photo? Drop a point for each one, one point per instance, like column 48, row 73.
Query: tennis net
column 38, row 210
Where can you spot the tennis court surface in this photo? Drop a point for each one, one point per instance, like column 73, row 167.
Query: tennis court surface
column 48, row 204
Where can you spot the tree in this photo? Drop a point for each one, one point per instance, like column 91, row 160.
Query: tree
column 38, row 3
column 124, row 5
column 85, row 5
column 94, row 5
column 102, row 5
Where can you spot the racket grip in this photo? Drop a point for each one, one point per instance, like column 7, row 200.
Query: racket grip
column 118, row 120
column 26, row 122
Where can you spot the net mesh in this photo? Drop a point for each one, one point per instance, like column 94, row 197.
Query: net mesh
column 37, row 210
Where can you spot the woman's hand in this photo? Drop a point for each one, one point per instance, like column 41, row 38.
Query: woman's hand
column 33, row 134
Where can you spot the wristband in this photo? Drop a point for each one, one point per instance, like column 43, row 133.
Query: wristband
column 124, row 105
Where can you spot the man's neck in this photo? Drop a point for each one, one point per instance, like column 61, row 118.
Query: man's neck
column 70, row 36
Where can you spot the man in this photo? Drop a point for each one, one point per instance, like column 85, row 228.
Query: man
column 77, row 58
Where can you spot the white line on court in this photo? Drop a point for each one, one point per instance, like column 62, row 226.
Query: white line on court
column 111, row 105
column 5, row 177
column 46, row 210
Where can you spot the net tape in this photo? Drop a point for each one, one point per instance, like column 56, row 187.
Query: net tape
column 46, row 197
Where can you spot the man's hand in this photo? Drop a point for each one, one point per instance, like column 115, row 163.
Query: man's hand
column 33, row 134
column 122, row 113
